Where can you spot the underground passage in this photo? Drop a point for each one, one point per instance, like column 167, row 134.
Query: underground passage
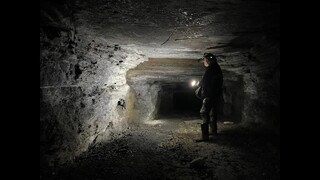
column 118, row 83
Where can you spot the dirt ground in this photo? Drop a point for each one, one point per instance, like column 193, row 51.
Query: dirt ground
column 164, row 149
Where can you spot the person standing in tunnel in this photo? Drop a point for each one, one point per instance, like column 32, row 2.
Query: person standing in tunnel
column 210, row 93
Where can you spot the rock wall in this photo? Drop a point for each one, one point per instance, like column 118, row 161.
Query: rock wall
column 166, row 104
column 145, row 102
column 233, row 96
column 83, row 88
column 255, row 75
column 262, row 87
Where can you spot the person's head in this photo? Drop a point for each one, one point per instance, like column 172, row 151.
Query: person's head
column 208, row 59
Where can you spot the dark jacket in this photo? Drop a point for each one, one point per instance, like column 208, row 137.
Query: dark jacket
column 212, row 80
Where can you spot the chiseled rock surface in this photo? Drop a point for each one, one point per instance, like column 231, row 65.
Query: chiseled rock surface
column 82, row 90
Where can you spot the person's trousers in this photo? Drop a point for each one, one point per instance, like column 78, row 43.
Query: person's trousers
column 209, row 114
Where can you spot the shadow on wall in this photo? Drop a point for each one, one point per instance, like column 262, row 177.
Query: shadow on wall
column 233, row 97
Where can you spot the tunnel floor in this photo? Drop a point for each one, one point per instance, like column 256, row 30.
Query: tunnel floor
column 165, row 149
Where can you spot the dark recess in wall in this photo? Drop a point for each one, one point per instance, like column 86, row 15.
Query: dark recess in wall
column 186, row 101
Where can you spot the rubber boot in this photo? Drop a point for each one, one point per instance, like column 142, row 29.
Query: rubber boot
column 204, row 133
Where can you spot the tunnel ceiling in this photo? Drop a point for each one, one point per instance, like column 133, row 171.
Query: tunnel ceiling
column 184, row 28
column 165, row 71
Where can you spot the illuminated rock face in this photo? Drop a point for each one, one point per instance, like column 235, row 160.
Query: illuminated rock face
column 104, row 63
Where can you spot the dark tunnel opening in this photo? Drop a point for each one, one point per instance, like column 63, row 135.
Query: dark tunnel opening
column 178, row 100
column 185, row 101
